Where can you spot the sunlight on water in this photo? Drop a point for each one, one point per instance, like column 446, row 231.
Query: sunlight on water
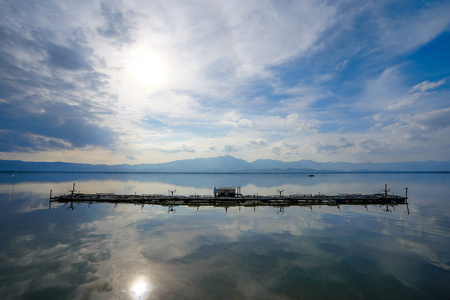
column 141, row 289
column 127, row 251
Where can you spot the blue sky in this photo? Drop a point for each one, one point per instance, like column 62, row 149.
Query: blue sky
column 154, row 81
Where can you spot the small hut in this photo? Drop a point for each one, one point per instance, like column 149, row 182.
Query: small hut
column 224, row 192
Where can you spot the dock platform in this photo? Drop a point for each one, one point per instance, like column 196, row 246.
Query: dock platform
column 235, row 200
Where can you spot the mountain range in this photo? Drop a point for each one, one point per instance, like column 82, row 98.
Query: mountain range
column 228, row 164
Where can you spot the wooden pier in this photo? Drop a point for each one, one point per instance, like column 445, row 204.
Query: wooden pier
column 237, row 199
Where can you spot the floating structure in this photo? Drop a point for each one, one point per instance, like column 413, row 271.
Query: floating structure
column 228, row 196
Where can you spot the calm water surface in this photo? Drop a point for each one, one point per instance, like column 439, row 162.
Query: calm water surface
column 129, row 252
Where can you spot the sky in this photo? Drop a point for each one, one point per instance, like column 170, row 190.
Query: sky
column 113, row 82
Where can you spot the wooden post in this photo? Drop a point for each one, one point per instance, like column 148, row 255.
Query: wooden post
column 50, row 200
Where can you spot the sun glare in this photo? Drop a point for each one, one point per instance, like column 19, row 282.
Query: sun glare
column 146, row 68
column 140, row 289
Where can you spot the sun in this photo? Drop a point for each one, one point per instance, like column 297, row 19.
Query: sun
column 146, row 68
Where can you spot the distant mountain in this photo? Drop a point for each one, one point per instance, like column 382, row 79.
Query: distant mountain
column 225, row 164
column 214, row 164
column 424, row 166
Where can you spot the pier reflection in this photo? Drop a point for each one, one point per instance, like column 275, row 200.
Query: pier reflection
column 227, row 197
column 171, row 208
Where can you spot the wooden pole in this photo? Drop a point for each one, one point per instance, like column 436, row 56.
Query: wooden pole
column 50, row 200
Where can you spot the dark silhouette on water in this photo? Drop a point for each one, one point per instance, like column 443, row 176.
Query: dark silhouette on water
column 228, row 197
column 13, row 184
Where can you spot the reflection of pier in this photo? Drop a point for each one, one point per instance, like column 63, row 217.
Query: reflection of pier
column 232, row 199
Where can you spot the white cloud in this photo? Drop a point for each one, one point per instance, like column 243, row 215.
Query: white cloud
column 271, row 74
column 412, row 30
column 427, row 85
column 432, row 121
column 402, row 102
column 292, row 123
column 230, row 148
column 255, row 144
column 432, row 126
column 181, row 149
column 267, row 33
column 233, row 119
column 383, row 90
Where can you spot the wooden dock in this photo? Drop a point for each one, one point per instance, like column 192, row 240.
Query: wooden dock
column 237, row 200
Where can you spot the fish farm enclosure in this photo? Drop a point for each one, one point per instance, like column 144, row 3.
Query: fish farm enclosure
column 226, row 196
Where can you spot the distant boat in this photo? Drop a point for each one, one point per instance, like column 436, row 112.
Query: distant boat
column 311, row 175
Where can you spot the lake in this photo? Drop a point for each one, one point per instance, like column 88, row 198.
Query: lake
column 103, row 251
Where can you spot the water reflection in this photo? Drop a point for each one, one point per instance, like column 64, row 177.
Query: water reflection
column 134, row 252
column 171, row 208
column 140, row 289
column 13, row 185
column 232, row 197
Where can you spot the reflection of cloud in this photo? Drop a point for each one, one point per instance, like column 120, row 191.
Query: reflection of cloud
column 61, row 256
column 181, row 254
column 426, row 252
column 100, row 252
column 288, row 223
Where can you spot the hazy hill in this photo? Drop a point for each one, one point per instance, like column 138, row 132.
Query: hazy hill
column 227, row 164
column 214, row 164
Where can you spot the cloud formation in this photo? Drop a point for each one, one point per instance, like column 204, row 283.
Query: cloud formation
column 427, row 85
column 164, row 80
column 117, row 25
